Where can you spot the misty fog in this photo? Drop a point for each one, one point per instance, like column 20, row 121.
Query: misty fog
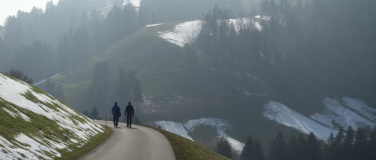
column 240, row 56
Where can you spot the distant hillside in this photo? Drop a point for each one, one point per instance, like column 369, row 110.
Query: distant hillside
column 35, row 125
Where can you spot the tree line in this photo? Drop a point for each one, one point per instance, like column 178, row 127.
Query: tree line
column 108, row 87
column 65, row 36
column 347, row 144
column 304, row 50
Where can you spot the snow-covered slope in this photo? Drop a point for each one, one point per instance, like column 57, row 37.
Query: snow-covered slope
column 34, row 125
column 343, row 112
column 183, row 129
column 186, row 32
column 183, row 33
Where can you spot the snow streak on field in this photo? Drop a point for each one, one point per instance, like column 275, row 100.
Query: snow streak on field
column 184, row 129
column 187, row 32
column 184, row 33
column 27, row 146
column 343, row 112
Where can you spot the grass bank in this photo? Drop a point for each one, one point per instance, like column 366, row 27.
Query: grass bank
column 185, row 149
column 94, row 143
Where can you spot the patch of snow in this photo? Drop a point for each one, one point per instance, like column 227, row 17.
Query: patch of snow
column 9, row 151
column 187, row 32
column 183, row 129
column 35, row 149
column 284, row 115
column 240, row 23
column 352, row 112
column 265, row 18
column 58, row 145
column 174, row 127
column 360, row 107
column 152, row 25
column 183, row 33
column 14, row 115
column 343, row 112
column 235, row 144
column 258, row 26
column 220, row 124
column 135, row 3
column 44, row 81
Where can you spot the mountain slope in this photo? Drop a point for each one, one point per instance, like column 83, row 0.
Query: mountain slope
column 35, row 125
column 179, row 87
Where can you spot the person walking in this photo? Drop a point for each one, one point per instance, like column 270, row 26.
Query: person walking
column 116, row 114
column 129, row 112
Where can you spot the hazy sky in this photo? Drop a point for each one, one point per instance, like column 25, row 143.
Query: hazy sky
column 10, row 7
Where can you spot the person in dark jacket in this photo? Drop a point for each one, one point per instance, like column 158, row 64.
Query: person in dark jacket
column 129, row 112
column 116, row 114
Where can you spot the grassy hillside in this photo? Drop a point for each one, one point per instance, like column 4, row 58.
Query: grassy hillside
column 36, row 125
column 166, row 71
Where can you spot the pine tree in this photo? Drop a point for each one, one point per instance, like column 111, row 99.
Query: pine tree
column 337, row 145
column 259, row 155
column 278, row 148
column 372, row 145
column 348, row 141
column 328, row 150
column 94, row 114
column 296, row 147
column 312, row 148
column 86, row 113
column 360, row 144
column 223, row 147
column 248, row 149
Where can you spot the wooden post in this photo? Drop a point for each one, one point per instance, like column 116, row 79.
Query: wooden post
column 105, row 118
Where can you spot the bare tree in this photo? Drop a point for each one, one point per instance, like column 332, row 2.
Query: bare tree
column 20, row 75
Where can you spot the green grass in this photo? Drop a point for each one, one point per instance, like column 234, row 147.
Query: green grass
column 205, row 135
column 185, row 149
column 163, row 68
column 91, row 145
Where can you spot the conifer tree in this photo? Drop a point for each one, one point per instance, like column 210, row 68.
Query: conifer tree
column 223, row 147
column 348, row 141
column 94, row 114
column 372, row 145
column 86, row 113
column 360, row 144
column 296, row 147
column 312, row 148
column 248, row 149
column 278, row 148
column 258, row 155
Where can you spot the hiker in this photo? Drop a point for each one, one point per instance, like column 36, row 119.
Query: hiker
column 116, row 114
column 129, row 112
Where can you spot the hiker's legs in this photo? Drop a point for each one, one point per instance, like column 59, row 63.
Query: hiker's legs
column 130, row 121
column 116, row 121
